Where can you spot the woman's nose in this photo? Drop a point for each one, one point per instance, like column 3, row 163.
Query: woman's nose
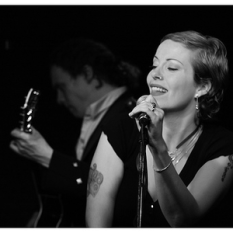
column 157, row 77
column 155, row 74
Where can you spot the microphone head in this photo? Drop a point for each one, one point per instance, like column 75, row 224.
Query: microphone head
column 142, row 117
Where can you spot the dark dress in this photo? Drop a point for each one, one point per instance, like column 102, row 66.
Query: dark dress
column 214, row 141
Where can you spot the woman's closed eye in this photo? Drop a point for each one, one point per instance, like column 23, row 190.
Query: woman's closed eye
column 172, row 69
column 168, row 67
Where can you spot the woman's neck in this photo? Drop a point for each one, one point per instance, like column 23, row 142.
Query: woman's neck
column 176, row 129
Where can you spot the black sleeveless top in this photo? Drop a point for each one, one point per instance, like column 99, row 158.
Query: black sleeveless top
column 214, row 141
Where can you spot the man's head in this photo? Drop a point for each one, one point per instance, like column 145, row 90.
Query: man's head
column 76, row 94
column 83, row 70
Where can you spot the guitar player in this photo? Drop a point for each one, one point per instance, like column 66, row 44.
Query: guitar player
column 95, row 85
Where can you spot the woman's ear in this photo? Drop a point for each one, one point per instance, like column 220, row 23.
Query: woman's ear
column 203, row 88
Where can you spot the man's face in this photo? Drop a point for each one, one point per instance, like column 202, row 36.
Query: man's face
column 72, row 92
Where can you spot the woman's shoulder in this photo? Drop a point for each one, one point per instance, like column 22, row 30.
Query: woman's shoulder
column 216, row 130
column 216, row 140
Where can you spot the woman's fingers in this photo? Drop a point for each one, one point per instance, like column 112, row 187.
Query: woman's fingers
column 146, row 104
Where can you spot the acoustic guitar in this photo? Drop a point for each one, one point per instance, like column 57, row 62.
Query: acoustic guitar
column 50, row 211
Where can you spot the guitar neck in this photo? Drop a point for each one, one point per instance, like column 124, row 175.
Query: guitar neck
column 28, row 110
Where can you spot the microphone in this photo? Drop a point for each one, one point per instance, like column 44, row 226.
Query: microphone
column 143, row 117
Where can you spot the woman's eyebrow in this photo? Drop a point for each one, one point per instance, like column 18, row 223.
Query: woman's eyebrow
column 173, row 59
column 168, row 59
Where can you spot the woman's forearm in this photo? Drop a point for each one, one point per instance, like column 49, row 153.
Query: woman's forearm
column 176, row 202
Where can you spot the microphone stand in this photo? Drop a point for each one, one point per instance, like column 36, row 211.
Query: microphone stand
column 142, row 169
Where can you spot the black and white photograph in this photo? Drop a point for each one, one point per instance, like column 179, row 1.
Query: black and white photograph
column 116, row 115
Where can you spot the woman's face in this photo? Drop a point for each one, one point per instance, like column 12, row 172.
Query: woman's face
column 176, row 89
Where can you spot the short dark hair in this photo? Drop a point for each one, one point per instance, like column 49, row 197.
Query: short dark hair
column 74, row 54
column 210, row 65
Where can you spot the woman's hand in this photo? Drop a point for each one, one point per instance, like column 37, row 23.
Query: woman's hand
column 149, row 106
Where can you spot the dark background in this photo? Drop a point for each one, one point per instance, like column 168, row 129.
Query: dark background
column 27, row 36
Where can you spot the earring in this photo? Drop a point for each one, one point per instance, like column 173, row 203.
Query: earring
column 197, row 105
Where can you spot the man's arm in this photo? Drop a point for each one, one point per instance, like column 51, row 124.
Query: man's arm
column 70, row 173
column 31, row 146
column 105, row 176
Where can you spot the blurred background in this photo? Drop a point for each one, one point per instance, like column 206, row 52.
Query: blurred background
column 28, row 34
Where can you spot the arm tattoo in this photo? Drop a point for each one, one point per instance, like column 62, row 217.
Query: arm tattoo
column 228, row 167
column 94, row 181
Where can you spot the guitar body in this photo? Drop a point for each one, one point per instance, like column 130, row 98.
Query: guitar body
column 50, row 211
